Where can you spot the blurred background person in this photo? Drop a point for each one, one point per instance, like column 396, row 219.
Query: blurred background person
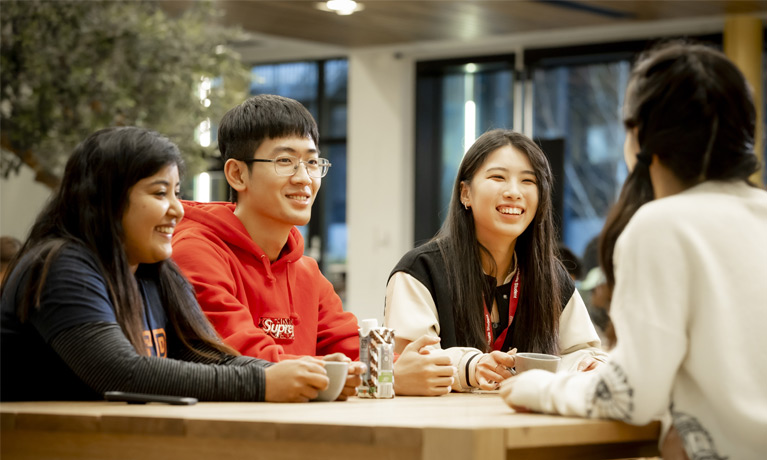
column 571, row 262
column 596, row 294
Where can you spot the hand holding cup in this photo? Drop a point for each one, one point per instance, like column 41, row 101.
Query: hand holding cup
column 337, row 374
column 493, row 368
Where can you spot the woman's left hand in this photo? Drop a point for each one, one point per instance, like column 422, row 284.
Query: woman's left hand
column 493, row 368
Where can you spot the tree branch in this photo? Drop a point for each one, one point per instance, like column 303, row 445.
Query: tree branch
column 30, row 158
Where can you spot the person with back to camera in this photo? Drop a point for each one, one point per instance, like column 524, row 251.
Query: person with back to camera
column 92, row 303
column 684, row 251
column 490, row 282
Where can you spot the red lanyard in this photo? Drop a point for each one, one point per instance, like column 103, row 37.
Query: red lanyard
column 513, row 300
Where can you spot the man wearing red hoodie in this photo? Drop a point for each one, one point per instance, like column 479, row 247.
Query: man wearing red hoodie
column 246, row 259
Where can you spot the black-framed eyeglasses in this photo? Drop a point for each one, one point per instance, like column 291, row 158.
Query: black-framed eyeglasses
column 287, row 165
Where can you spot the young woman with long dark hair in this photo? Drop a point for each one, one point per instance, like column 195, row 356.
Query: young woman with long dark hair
column 92, row 302
column 490, row 282
column 684, row 251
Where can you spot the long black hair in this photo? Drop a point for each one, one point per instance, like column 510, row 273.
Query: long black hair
column 539, row 301
column 691, row 107
column 87, row 210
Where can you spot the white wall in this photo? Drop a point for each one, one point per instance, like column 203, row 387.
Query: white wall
column 380, row 164
column 21, row 199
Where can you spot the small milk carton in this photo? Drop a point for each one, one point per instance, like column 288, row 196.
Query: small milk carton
column 377, row 352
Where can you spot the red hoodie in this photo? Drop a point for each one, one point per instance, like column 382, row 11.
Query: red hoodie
column 270, row 310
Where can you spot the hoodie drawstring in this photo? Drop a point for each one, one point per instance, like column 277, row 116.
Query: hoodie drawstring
column 268, row 268
column 289, row 278
column 288, row 281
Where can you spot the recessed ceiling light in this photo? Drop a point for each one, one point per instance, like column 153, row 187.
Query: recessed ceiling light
column 340, row 7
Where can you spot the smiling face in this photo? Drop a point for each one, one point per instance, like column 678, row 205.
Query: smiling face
column 282, row 200
column 503, row 197
column 152, row 212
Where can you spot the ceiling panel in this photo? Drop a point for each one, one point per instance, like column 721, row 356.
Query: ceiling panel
column 388, row 22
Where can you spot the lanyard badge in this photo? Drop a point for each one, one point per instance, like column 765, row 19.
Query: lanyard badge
column 513, row 301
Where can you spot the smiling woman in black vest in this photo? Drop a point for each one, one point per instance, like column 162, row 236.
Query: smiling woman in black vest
column 490, row 282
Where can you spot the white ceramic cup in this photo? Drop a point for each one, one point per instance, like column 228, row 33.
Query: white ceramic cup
column 337, row 371
column 527, row 361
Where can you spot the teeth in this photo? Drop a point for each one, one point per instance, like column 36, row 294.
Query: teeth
column 514, row 211
column 168, row 230
column 298, row 197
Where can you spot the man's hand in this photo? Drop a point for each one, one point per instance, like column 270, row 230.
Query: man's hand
column 353, row 378
column 493, row 368
column 295, row 380
column 420, row 372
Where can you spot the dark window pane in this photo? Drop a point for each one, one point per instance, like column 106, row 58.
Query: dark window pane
column 296, row 80
column 334, row 185
column 334, row 110
column 581, row 105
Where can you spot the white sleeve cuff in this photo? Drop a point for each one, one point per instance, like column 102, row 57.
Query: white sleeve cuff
column 542, row 391
column 409, row 308
column 466, row 369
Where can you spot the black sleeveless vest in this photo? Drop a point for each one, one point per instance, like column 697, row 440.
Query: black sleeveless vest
column 426, row 265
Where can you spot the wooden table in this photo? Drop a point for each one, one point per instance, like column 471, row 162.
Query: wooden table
column 456, row 426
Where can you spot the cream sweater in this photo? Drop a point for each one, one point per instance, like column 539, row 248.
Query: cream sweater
column 689, row 309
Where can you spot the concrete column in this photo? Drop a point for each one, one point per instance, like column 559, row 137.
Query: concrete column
column 743, row 38
column 380, row 171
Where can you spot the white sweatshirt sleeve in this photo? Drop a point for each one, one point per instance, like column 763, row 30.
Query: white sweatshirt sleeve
column 411, row 312
column 649, row 310
column 409, row 308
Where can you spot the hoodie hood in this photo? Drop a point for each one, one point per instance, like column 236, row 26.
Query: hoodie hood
column 217, row 221
column 219, row 218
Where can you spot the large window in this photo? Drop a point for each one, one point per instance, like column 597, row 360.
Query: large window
column 579, row 105
column 332, row 110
